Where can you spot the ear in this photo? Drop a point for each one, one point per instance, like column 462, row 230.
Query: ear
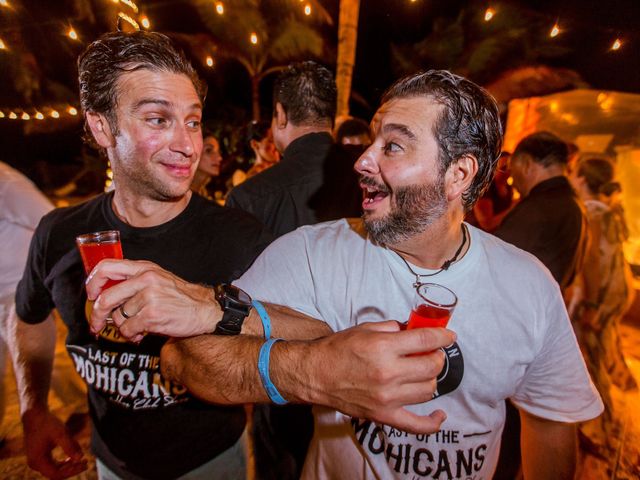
column 281, row 116
column 100, row 129
column 460, row 175
column 253, row 144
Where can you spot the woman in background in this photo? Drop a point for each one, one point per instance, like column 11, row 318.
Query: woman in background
column 260, row 141
column 603, row 296
column 209, row 166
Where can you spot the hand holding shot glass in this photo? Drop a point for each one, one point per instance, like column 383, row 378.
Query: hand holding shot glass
column 432, row 307
column 98, row 246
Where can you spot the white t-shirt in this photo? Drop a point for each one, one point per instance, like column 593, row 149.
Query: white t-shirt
column 514, row 341
column 22, row 206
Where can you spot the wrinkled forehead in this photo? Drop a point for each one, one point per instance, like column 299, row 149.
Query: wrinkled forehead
column 417, row 113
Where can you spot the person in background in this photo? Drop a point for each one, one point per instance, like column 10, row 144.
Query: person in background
column 260, row 140
column 22, row 206
column 354, row 131
column 496, row 202
column 301, row 189
column 603, row 294
column 209, row 165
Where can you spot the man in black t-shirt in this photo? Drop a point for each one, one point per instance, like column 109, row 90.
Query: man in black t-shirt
column 142, row 103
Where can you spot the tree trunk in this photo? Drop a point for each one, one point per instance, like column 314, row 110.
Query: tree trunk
column 255, row 97
column 347, row 40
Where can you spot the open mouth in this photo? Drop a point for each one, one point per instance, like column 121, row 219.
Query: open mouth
column 372, row 192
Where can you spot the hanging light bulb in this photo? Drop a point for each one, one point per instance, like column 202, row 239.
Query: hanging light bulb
column 4, row 3
column 1, row 114
column 616, row 44
column 25, row 116
column 488, row 14
column 2, row 45
column 220, row 8
column 72, row 111
column 55, row 114
column 39, row 116
column 554, row 31
column 254, row 38
column 209, row 61
column 145, row 22
column 72, row 34
column 12, row 115
column 307, row 9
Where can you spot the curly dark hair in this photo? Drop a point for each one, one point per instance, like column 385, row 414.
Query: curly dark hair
column 307, row 93
column 469, row 123
column 113, row 54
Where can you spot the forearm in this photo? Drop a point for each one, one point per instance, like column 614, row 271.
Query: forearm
column 549, row 449
column 285, row 323
column 32, row 350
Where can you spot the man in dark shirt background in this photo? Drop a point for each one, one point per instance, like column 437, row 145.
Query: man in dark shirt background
column 549, row 222
column 314, row 181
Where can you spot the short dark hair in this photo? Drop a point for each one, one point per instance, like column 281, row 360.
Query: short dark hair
column 352, row 127
column 598, row 174
column 307, row 93
column 544, row 148
column 469, row 123
column 106, row 59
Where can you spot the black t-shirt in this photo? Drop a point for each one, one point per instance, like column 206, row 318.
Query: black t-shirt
column 144, row 425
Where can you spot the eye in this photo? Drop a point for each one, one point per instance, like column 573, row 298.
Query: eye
column 392, row 147
column 194, row 124
column 157, row 121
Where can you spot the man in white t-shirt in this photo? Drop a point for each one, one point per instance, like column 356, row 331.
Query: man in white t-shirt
column 437, row 138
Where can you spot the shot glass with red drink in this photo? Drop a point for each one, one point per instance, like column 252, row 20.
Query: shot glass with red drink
column 98, row 246
column 432, row 307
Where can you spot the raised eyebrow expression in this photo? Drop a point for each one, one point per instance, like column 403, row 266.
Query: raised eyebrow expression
column 399, row 128
column 163, row 103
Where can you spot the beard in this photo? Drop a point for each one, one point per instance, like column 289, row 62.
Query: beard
column 415, row 208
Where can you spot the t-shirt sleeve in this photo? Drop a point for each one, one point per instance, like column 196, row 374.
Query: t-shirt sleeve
column 282, row 275
column 556, row 385
column 24, row 204
column 33, row 299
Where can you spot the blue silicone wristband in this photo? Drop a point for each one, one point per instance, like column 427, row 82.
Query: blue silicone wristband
column 264, row 317
column 263, row 369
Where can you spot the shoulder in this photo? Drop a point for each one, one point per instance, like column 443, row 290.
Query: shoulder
column 506, row 259
column 60, row 218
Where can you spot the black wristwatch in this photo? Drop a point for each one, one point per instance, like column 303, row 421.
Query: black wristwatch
column 236, row 305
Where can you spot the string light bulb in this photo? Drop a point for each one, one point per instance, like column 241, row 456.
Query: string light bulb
column 4, row 3
column 307, row 9
column 1, row 114
column 72, row 34
column 12, row 115
column 254, row 38
column 25, row 116
column 72, row 111
column 554, row 31
column 144, row 21
column 488, row 14
column 55, row 114
column 616, row 44
column 2, row 45
column 209, row 61
column 220, row 8
column 39, row 116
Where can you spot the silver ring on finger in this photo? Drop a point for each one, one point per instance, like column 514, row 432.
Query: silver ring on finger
column 125, row 315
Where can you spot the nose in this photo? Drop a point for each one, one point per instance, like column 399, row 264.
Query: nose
column 183, row 141
column 367, row 163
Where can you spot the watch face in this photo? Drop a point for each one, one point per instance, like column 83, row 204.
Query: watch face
column 243, row 297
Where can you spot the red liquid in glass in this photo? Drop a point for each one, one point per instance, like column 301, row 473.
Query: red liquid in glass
column 428, row 316
column 92, row 253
